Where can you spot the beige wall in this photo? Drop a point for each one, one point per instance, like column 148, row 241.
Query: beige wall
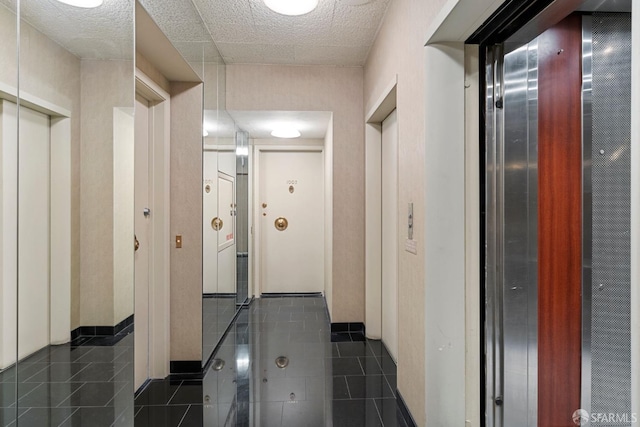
column 186, row 220
column 319, row 88
column 105, row 85
column 399, row 50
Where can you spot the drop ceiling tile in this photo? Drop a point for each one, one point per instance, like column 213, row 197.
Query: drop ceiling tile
column 234, row 33
column 224, row 11
column 295, row 32
column 351, row 36
column 364, row 16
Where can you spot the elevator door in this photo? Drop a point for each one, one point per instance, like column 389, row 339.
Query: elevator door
column 33, row 232
column 557, row 254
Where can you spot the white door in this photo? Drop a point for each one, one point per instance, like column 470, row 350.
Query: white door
column 390, row 233
column 142, row 234
column 226, row 233
column 292, row 196
column 33, row 232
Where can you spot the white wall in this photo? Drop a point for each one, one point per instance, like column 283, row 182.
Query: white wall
column 444, row 225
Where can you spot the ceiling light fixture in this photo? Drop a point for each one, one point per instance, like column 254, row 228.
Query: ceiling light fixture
column 291, row 7
column 87, row 4
column 286, row 132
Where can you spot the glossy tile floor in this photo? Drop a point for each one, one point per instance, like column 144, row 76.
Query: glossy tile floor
column 70, row 385
column 278, row 367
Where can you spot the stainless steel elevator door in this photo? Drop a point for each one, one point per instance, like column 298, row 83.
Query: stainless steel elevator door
column 607, row 184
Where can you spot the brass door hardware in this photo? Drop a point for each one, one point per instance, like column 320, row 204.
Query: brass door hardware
column 178, row 241
column 281, row 224
column 216, row 224
column 264, row 205
column 291, row 189
column 136, row 243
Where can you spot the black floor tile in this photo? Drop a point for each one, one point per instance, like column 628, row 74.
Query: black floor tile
column 370, row 386
column 357, row 336
column 45, row 417
column 49, row 395
column 157, row 393
column 193, row 417
column 97, row 372
column 354, row 349
column 160, row 416
column 370, row 365
column 57, row 372
column 388, row 365
column 340, row 337
column 355, row 413
column 340, row 389
column 345, row 366
column 92, row 394
column 189, row 392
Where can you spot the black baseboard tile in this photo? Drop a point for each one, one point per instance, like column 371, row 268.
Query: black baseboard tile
column 101, row 331
column 341, row 327
column 185, row 367
column 408, row 418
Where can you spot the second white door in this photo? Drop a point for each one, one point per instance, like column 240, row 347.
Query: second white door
column 291, row 209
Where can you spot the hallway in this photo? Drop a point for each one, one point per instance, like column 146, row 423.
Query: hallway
column 323, row 383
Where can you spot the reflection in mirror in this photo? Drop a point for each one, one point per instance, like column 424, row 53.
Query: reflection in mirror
column 242, row 211
column 220, row 243
column 8, row 210
column 74, row 211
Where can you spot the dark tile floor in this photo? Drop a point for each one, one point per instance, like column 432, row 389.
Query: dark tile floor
column 320, row 383
column 69, row 385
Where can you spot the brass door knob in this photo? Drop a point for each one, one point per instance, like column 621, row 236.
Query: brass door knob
column 281, row 224
column 216, row 224
column 136, row 243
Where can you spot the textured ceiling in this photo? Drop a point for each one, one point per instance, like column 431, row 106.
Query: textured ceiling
column 336, row 33
column 105, row 32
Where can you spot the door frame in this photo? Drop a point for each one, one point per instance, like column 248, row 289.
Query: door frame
column 256, row 289
column 159, row 236
column 385, row 104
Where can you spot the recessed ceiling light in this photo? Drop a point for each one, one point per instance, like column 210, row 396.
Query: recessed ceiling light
column 286, row 132
column 291, row 7
column 87, row 4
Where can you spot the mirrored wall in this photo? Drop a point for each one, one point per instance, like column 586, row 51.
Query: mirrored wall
column 67, row 138
column 125, row 197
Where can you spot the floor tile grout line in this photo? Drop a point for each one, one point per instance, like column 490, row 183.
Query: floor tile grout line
column 69, row 417
column 184, row 416
column 174, row 393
